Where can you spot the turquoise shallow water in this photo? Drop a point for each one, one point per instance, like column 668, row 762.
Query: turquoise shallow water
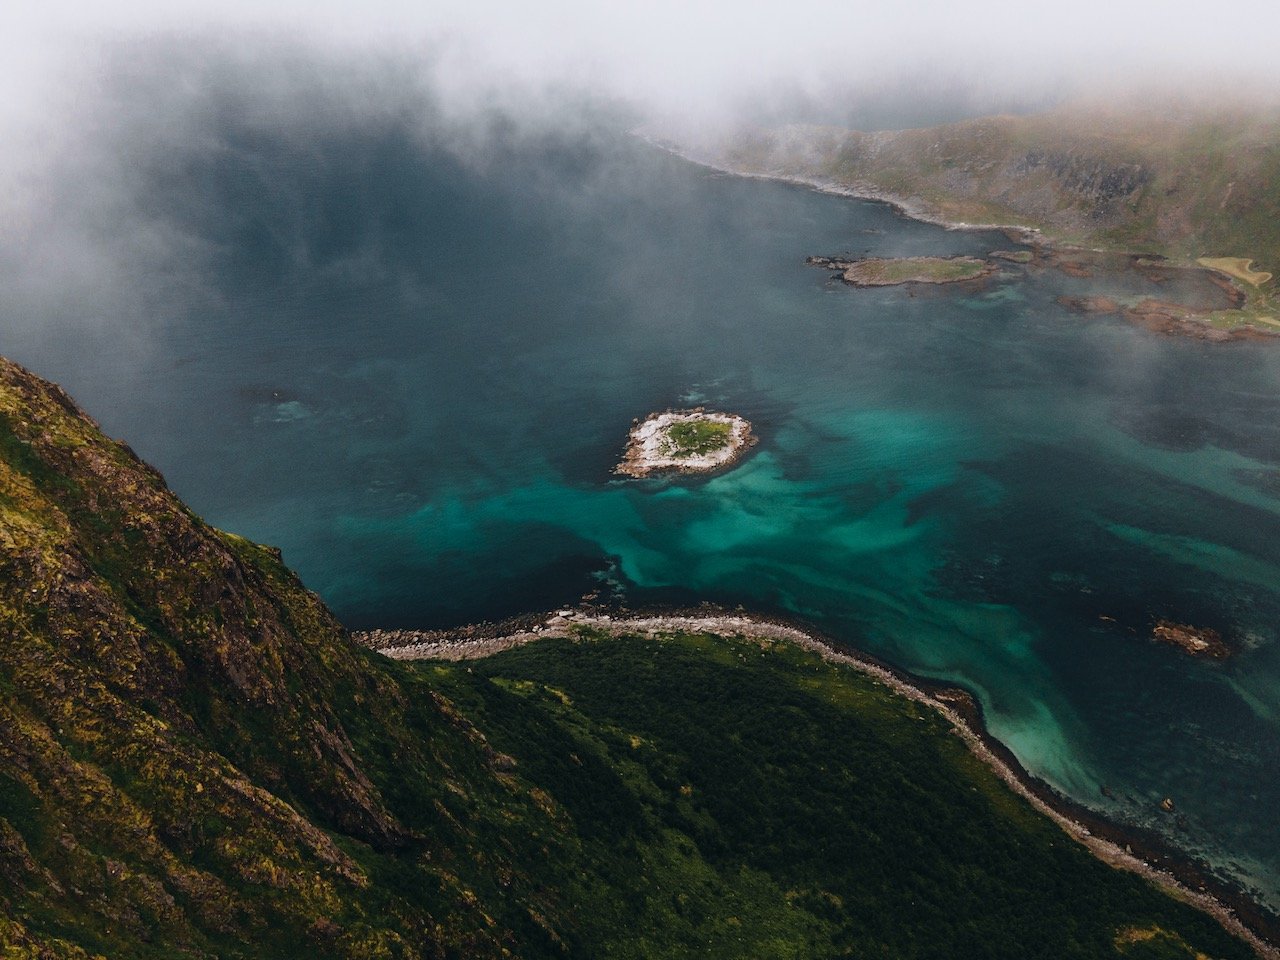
column 415, row 374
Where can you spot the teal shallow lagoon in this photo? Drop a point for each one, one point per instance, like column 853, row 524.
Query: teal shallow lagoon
column 415, row 376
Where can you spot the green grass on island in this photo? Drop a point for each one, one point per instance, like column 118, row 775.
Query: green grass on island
column 696, row 437
column 886, row 272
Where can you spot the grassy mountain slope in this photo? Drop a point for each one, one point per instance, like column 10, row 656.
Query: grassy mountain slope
column 193, row 757
column 196, row 761
column 1180, row 183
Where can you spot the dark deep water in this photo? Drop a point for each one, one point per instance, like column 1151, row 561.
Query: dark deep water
column 414, row 373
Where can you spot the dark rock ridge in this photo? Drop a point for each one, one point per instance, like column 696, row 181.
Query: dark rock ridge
column 1092, row 181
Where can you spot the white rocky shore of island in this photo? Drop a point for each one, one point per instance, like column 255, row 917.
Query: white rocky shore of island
column 652, row 449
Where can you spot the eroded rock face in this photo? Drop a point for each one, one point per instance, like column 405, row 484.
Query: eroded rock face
column 1195, row 641
column 1095, row 182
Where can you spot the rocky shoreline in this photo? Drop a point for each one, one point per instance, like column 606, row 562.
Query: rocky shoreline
column 1120, row 847
column 1021, row 233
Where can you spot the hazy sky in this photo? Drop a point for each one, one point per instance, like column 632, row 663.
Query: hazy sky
column 687, row 54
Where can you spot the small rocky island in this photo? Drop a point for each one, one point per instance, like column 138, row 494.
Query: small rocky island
column 888, row 272
column 685, row 441
column 1196, row 641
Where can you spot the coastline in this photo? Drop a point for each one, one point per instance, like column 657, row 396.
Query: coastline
column 1032, row 236
column 1120, row 847
column 905, row 206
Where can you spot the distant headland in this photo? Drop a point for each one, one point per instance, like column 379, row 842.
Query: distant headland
column 1191, row 188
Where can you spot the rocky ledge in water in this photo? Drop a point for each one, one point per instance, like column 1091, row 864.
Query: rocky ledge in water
column 1163, row 316
column 685, row 441
column 887, row 272
column 1196, row 641
column 1093, row 304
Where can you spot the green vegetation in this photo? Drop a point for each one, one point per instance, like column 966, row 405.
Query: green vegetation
column 196, row 761
column 697, row 437
column 877, row 272
column 1260, row 309
column 1257, row 313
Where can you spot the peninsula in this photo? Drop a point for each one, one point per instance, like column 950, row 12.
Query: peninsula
column 685, row 441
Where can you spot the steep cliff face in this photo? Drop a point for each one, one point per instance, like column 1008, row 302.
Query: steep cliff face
column 191, row 751
column 1200, row 183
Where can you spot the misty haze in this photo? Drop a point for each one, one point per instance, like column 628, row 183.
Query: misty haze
column 671, row 427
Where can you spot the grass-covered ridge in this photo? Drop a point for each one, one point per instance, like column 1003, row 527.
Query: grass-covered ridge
column 197, row 761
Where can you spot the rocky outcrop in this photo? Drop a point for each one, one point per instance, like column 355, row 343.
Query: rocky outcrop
column 1098, row 185
column 1095, row 304
column 1195, row 641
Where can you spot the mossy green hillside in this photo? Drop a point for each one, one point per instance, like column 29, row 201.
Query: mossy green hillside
column 760, row 801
